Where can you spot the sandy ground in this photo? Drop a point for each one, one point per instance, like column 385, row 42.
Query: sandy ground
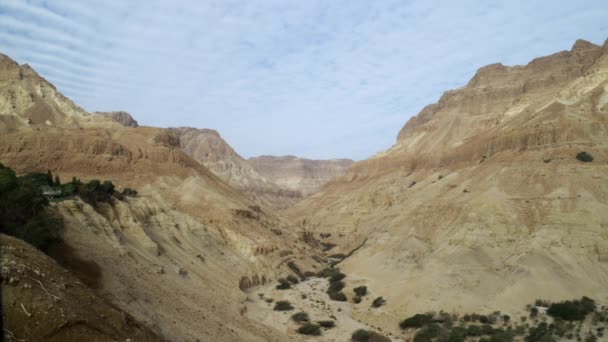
column 308, row 296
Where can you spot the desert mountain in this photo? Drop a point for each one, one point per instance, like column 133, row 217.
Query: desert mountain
column 179, row 256
column 481, row 204
column 28, row 101
column 207, row 147
column 121, row 117
column 301, row 175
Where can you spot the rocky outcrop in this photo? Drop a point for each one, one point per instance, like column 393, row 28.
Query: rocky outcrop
column 481, row 204
column 301, row 175
column 121, row 117
column 207, row 147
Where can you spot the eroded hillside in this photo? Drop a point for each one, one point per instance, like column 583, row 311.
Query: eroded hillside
column 481, row 204
column 305, row 176
column 178, row 256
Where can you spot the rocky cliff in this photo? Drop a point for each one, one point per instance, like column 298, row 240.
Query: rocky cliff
column 301, row 175
column 121, row 117
column 481, row 204
column 207, row 147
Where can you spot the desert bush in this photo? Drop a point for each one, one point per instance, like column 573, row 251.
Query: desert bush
column 416, row 321
column 362, row 335
column 337, row 296
column 292, row 279
column 283, row 305
column 572, row 310
column 300, row 317
column 328, row 324
column 542, row 333
column 335, row 286
column 584, row 157
column 378, row 302
column 427, row 333
column 357, row 300
column 283, row 284
column 310, row 329
column 360, row 291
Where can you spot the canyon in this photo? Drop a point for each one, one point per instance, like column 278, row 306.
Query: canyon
column 481, row 205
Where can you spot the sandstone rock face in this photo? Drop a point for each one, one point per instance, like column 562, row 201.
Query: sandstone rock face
column 207, row 147
column 121, row 117
column 481, row 204
column 305, row 176
column 54, row 303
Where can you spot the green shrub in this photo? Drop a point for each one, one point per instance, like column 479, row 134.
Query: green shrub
column 360, row 291
column 427, row 333
column 584, row 157
column 362, row 335
column 357, row 300
column 328, row 324
column 416, row 321
column 283, row 284
column 309, row 329
column 337, row 296
column 292, row 279
column 335, row 286
column 300, row 317
column 572, row 310
column 378, row 302
column 337, row 277
column 541, row 333
column 283, row 305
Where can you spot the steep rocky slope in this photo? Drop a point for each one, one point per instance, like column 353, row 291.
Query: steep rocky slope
column 301, row 175
column 28, row 101
column 207, row 147
column 121, row 117
column 180, row 256
column 43, row 301
column 481, row 205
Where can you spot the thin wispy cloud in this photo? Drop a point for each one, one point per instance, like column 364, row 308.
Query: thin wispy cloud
column 319, row 79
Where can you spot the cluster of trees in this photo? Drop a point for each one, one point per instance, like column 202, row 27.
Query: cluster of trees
column 23, row 206
column 23, row 211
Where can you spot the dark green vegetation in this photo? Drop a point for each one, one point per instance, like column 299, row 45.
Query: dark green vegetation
column 309, row 329
column 292, row 279
column 300, row 317
column 335, row 283
column 572, row 310
column 363, row 335
column 284, row 284
column 283, row 305
column 584, row 157
column 416, row 321
column 328, row 324
column 360, row 291
column 23, row 212
column 495, row 327
column 378, row 302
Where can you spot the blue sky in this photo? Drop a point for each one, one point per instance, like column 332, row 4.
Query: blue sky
column 318, row 79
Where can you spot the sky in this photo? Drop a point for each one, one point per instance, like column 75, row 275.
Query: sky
column 316, row 79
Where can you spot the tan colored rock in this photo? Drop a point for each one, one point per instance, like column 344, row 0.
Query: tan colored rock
column 121, row 117
column 305, row 176
column 481, row 204
column 207, row 147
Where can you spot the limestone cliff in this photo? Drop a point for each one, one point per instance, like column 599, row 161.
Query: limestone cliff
column 302, row 175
